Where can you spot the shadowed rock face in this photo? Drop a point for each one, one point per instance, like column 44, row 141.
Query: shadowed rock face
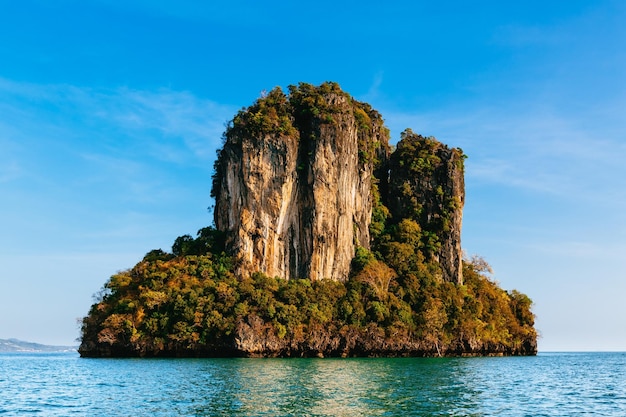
column 293, row 185
column 293, row 181
column 303, row 182
column 426, row 183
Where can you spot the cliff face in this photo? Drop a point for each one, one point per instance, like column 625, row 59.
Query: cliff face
column 426, row 183
column 292, row 183
column 305, row 187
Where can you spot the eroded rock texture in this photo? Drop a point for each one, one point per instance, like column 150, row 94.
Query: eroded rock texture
column 426, row 183
column 293, row 180
column 293, row 185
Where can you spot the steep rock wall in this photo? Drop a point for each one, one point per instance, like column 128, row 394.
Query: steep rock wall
column 426, row 183
column 293, row 180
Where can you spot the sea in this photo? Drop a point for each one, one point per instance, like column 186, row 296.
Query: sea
column 550, row 384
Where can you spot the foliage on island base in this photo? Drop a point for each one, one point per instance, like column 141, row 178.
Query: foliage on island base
column 401, row 298
column 192, row 305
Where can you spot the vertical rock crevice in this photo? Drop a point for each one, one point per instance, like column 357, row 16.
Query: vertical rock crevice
column 294, row 185
column 292, row 182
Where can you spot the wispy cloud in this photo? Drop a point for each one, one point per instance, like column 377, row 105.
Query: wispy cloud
column 106, row 133
column 100, row 160
column 177, row 117
column 582, row 250
column 374, row 90
column 537, row 148
column 158, row 116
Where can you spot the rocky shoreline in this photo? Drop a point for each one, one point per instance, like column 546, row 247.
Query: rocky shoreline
column 328, row 242
column 256, row 339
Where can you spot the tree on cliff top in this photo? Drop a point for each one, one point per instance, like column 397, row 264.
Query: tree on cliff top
column 190, row 302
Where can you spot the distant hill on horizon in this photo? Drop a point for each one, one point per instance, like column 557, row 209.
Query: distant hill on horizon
column 15, row 345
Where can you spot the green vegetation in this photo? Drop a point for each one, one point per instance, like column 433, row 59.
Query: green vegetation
column 301, row 114
column 193, row 305
column 189, row 302
column 268, row 115
column 427, row 180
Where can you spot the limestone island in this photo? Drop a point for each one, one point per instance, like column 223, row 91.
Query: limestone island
column 327, row 242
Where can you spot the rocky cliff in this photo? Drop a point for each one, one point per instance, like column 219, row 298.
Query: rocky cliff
column 293, row 180
column 306, row 187
column 294, row 185
column 426, row 183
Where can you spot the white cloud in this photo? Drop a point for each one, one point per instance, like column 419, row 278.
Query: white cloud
column 105, row 135
column 174, row 115
column 537, row 149
column 156, row 117
column 90, row 162
column 582, row 250
column 374, row 90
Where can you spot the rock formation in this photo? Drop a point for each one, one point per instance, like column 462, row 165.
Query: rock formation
column 293, row 185
column 293, row 180
column 426, row 183
column 306, row 187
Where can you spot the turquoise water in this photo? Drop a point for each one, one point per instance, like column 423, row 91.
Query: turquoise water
column 551, row 384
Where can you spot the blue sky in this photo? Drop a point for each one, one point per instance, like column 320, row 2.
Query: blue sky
column 111, row 113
